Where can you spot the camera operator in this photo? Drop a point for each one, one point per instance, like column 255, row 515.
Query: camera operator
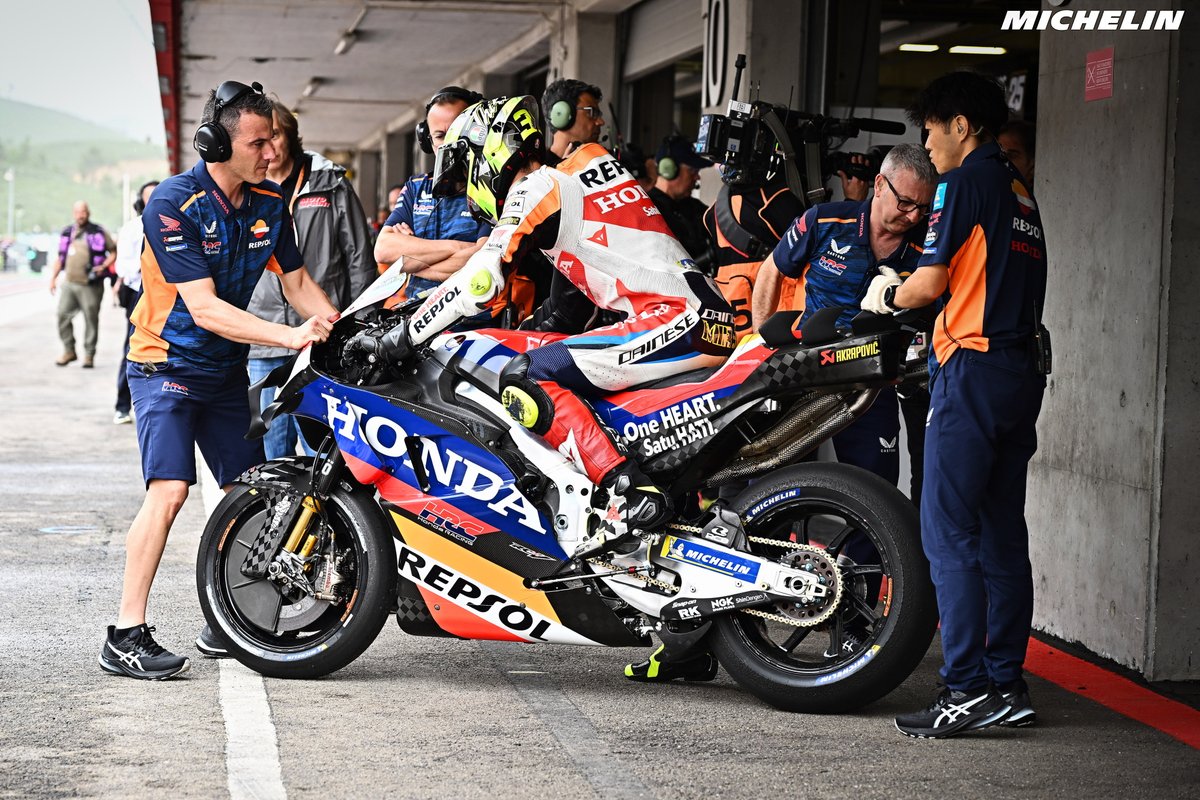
column 833, row 250
column 678, row 175
column 990, row 358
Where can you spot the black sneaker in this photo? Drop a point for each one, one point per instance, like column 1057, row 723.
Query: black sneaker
column 1016, row 694
column 137, row 655
column 210, row 645
column 954, row 712
column 698, row 667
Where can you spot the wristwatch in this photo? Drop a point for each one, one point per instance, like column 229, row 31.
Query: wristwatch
column 889, row 297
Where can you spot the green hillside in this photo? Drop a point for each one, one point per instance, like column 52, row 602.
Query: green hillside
column 58, row 159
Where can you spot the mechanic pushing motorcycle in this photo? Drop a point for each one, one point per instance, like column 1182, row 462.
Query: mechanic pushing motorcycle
column 590, row 217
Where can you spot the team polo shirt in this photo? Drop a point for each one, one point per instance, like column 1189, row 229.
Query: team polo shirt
column 193, row 232
column 434, row 218
column 828, row 250
column 985, row 227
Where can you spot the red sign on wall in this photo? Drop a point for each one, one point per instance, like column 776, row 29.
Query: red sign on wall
column 1098, row 75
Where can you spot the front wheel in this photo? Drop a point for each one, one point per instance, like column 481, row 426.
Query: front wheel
column 273, row 625
column 883, row 616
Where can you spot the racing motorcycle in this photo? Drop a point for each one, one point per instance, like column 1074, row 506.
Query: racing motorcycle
column 427, row 501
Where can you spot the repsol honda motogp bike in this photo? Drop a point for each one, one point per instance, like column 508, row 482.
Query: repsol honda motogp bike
column 427, row 501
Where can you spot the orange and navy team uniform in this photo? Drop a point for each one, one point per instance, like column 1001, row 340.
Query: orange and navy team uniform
column 827, row 253
column 985, row 396
column 600, row 229
column 188, row 383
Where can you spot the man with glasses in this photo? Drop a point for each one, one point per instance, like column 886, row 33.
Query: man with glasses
column 573, row 115
column 832, row 252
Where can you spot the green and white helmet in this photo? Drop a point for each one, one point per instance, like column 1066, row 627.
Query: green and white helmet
column 485, row 146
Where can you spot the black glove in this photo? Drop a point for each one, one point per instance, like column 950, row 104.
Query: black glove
column 392, row 346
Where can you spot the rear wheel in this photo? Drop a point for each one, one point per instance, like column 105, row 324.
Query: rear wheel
column 880, row 619
column 276, row 628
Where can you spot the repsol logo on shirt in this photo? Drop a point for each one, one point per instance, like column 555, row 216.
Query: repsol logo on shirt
column 258, row 244
column 602, row 173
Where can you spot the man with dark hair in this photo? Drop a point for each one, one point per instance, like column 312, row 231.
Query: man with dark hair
column 85, row 252
column 984, row 251
column 573, row 115
column 334, row 240
column 210, row 233
column 435, row 234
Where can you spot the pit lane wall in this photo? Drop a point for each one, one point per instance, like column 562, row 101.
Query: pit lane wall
column 1113, row 496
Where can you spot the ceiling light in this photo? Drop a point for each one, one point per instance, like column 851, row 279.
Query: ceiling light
column 345, row 43
column 972, row 50
column 311, row 88
column 918, row 48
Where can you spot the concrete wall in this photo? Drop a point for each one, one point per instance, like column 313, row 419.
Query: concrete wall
column 1108, row 547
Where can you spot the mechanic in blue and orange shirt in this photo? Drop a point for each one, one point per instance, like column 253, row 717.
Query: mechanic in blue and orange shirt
column 832, row 252
column 210, row 233
column 985, row 252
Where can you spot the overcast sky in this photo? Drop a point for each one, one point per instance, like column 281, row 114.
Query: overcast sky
column 90, row 58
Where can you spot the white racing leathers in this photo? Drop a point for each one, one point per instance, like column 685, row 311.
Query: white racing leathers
column 613, row 245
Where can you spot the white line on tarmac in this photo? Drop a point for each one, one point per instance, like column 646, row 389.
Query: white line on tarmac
column 251, row 749
column 608, row 776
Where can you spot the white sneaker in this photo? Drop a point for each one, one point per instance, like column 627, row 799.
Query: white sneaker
column 122, row 418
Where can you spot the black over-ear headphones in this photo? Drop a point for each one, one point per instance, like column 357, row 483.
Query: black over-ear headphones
column 424, row 138
column 139, row 205
column 212, row 140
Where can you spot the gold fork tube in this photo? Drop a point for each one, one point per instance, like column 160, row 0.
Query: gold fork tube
column 305, row 516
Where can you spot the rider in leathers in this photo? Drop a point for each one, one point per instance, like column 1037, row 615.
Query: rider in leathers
column 599, row 228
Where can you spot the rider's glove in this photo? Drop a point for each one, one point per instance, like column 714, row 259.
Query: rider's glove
column 392, row 346
column 877, row 296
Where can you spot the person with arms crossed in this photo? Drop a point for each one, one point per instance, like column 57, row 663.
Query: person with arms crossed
column 985, row 251
column 210, row 233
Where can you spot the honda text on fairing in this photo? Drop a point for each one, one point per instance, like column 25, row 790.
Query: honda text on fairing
column 428, row 501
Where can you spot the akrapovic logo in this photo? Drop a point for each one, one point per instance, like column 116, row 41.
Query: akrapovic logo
column 1092, row 20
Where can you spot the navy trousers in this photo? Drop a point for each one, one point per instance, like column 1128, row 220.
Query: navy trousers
column 979, row 439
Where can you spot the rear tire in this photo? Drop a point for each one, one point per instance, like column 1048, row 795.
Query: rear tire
column 830, row 673
column 329, row 636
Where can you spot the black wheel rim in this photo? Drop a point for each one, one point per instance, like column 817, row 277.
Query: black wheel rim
column 861, row 620
column 232, row 584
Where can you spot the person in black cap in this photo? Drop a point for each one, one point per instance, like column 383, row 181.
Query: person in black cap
column 678, row 176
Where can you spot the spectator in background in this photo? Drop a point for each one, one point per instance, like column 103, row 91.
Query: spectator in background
column 394, row 196
column 85, row 253
column 129, row 288
column 436, row 235
column 573, row 115
column 335, row 242
column 678, row 176
column 1017, row 139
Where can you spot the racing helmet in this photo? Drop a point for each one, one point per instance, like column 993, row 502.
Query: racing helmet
column 485, row 146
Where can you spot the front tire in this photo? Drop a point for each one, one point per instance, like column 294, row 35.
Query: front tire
column 887, row 613
column 304, row 637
